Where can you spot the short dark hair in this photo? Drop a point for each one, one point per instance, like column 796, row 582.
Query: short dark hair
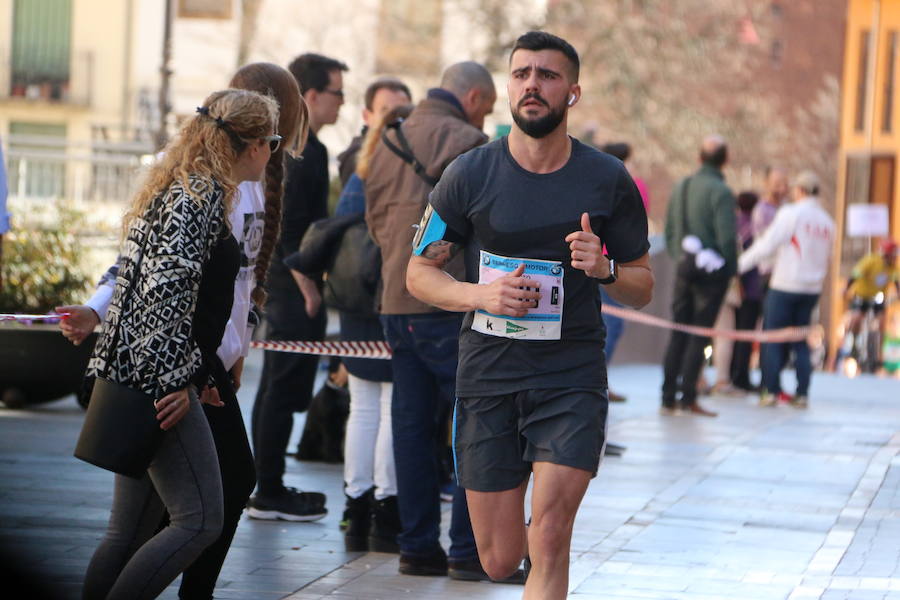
column 717, row 158
column 746, row 200
column 312, row 71
column 385, row 83
column 541, row 40
column 620, row 150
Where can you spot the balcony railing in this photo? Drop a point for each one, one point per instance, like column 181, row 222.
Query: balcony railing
column 76, row 89
column 95, row 179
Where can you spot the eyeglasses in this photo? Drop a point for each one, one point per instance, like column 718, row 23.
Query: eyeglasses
column 338, row 93
column 274, row 141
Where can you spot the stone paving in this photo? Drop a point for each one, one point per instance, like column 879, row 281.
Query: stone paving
column 756, row 504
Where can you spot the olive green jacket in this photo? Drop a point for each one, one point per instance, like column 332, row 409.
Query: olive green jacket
column 710, row 215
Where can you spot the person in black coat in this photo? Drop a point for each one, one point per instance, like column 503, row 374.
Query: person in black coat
column 286, row 384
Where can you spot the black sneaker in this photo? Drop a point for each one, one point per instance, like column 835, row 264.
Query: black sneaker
column 433, row 564
column 289, row 505
column 357, row 521
column 385, row 526
column 471, row 570
column 316, row 498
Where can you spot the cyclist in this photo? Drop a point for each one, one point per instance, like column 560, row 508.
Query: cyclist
column 870, row 277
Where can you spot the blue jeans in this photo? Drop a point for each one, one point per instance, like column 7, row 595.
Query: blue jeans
column 614, row 325
column 786, row 309
column 425, row 349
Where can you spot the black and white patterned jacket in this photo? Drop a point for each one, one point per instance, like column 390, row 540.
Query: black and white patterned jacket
column 156, row 352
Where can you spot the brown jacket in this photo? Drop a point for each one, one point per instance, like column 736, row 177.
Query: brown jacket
column 396, row 197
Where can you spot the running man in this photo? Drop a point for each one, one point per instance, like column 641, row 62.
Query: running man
column 532, row 212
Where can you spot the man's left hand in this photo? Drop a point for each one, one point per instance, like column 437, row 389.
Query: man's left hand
column 587, row 250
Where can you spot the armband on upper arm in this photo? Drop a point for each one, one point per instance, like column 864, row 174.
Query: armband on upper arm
column 430, row 229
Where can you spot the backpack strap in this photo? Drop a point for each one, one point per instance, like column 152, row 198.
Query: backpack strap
column 405, row 152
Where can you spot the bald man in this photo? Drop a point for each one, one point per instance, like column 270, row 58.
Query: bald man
column 701, row 206
column 424, row 339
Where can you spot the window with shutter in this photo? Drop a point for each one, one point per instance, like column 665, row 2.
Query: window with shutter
column 41, row 47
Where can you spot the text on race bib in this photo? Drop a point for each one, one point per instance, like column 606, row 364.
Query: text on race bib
column 544, row 322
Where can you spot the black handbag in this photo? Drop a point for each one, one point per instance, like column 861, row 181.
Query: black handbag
column 120, row 432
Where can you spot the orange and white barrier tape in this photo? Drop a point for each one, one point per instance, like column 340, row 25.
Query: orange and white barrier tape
column 379, row 350
column 787, row 334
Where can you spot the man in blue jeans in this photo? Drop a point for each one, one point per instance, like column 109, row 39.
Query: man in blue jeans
column 447, row 123
column 800, row 238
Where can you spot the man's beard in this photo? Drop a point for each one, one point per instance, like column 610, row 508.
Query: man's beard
column 542, row 126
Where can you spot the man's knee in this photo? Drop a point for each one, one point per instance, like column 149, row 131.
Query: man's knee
column 549, row 535
column 501, row 562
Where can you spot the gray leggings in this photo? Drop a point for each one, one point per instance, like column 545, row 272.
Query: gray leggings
column 131, row 563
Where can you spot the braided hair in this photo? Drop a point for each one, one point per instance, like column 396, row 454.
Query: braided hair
column 278, row 83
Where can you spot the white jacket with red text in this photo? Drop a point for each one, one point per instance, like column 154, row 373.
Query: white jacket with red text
column 801, row 239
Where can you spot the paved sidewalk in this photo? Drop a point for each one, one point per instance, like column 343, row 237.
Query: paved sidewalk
column 756, row 504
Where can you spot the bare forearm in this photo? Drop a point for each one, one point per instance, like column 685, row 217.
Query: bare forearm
column 634, row 286
column 437, row 288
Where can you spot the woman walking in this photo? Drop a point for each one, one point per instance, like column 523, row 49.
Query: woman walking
column 177, row 231
column 255, row 219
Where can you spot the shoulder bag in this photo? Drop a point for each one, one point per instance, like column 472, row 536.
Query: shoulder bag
column 120, row 432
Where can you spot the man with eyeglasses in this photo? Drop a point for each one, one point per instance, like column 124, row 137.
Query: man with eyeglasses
column 293, row 310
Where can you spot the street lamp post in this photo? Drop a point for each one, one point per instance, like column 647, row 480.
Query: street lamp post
column 164, row 75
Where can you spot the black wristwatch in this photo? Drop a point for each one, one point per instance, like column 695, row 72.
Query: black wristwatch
column 613, row 273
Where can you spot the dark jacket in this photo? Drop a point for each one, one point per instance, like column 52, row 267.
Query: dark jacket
column 710, row 215
column 396, row 196
column 340, row 247
column 305, row 201
column 337, row 246
column 347, row 158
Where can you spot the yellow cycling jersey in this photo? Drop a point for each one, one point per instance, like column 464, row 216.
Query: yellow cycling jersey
column 872, row 275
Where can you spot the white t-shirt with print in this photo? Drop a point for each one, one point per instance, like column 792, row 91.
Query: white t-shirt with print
column 247, row 219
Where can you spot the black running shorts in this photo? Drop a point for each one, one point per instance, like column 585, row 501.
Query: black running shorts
column 496, row 438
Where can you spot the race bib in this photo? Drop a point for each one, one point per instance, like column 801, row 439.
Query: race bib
column 541, row 323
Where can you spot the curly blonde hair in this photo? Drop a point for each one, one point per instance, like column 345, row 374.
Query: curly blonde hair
column 207, row 147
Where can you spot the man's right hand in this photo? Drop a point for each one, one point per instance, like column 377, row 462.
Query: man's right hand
column 79, row 324
column 311, row 296
column 507, row 295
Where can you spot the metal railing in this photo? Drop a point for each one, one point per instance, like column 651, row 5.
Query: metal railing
column 96, row 179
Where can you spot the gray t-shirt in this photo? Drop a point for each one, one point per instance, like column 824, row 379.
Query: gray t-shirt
column 492, row 204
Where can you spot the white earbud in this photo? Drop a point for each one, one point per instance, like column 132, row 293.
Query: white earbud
column 571, row 99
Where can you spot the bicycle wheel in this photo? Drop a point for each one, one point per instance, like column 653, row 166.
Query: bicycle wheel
column 873, row 351
column 861, row 346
